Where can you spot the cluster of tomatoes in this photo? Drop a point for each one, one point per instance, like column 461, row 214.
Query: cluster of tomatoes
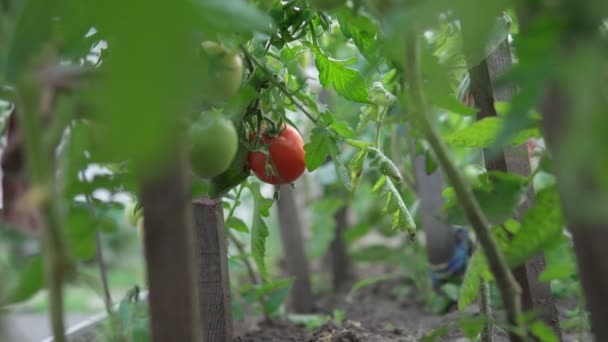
column 274, row 156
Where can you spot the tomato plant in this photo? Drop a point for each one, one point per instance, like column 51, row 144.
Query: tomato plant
column 392, row 120
column 213, row 144
column 282, row 160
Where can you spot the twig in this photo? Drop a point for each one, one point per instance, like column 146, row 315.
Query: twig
column 279, row 85
column 508, row 287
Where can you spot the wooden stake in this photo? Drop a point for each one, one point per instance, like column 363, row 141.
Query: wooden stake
column 213, row 278
column 170, row 254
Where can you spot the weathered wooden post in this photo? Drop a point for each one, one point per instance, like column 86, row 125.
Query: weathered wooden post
column 535, row 294
column 213, row 279
column 169, row 252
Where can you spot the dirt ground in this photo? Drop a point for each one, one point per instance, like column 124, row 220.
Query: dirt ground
column 374, row 315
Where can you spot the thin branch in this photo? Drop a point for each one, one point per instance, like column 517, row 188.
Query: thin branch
column 508, row 287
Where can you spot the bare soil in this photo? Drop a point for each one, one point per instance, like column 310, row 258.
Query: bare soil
column 375, row 314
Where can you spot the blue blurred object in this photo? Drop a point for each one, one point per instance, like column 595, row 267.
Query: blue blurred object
column 456, row 266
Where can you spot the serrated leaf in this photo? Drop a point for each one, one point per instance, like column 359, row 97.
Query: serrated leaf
column 317, row 149
column 237, row 224
column 385, row 165
column 405, row 222
column 259, row 230
column 484, row 132
column 342, row 129
column 362, row 30
column 541, row 226
column 346, row 81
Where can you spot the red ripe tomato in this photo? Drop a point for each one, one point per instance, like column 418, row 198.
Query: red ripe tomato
column 286, row 154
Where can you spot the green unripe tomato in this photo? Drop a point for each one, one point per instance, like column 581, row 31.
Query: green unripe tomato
column 223, row 72
column 326, row 4
column 213, row 144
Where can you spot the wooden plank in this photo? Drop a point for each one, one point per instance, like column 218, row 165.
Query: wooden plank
column 213, row 278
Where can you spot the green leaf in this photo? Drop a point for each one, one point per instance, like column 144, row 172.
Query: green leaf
column 276, row 294
column 346, row 81
column 81, row 230
column 231, row 16
column 317, row 149
column 323, row 225
column 259, row 230
column 362, row 30
column 379, row 183
column 402, row 219
column 33, row 30
column 237, row 224
column 482, row 48
column 342, row 129
column 483, row 133
column 498, row 194
column 385, row 165
column 541, row 226
column 31, row 280
column 357, row 231
column 543, row 332
column 471, row 326
column 469, row 290
column 435, row 334
column 356, row 168
column 560, row 261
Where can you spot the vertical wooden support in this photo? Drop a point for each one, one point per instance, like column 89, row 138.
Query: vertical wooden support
column 301, row 299
column 169, row 253
column 213, row 279
column 340, row 261
column 535, row 294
